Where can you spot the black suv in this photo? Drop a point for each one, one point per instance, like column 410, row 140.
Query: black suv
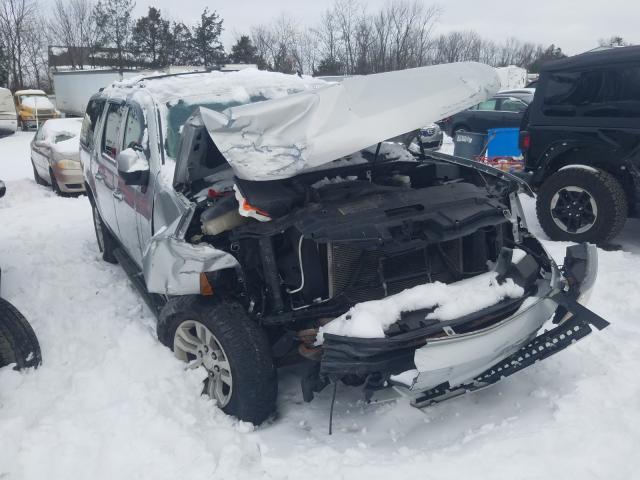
column 581, row 141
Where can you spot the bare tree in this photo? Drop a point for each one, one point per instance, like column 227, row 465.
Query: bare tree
column 15, row 19
column 72, row 24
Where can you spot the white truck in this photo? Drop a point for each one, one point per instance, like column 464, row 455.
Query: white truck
column 73, row 88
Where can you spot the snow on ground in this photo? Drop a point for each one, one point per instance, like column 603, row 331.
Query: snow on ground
column 111, row 402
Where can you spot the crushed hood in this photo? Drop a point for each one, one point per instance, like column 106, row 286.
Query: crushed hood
column 280, row 138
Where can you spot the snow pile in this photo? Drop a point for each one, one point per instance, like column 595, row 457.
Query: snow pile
column 371, row 319
column 39, row 102
column 110, row 402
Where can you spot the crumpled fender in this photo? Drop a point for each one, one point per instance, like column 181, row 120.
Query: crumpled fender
column 172, row 266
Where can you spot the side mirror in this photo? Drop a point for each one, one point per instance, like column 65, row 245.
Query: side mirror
column 133, row 167
column 3, row 189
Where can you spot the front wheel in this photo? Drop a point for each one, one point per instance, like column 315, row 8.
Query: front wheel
column 36, row 176
column 18, row 342
column 220, row 338
column 581, row 205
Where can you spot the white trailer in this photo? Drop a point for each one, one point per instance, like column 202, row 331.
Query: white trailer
column 512, row 77
column 74, row 88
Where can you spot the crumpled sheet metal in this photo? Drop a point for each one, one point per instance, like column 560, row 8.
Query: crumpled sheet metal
column 172, row 266
column 280, row 138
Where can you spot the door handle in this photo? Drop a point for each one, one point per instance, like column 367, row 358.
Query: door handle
column 99, row 176
column 117, row 194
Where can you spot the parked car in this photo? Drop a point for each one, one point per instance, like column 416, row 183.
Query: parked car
column 524, row 94
column 260, row 241
column 18, row 343
column 580, row 141
column 34, row 108
column 8, row 117
column 55, row 155
column 500, row 111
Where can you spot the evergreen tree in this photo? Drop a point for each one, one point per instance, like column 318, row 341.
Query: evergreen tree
column 151, row 39
column 113, row 21
column 179, row 48
column 328, row 66
column 551, row 53
column 245, row 52
column 206, row 39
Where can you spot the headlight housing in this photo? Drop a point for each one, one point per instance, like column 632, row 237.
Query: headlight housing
column 67, row 164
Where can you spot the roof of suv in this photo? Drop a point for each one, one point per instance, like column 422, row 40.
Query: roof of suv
column 231, row 86
column 594, row 59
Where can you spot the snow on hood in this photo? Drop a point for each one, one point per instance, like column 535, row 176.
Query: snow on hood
column 280, row 138
column 37, row 101
column 63, row 126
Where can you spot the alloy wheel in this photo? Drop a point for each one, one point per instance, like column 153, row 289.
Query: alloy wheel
column 573, row 209
column 194, row 343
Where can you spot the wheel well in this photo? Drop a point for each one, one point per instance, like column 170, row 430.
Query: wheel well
column 595, row 159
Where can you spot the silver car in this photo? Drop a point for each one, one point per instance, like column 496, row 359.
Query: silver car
column 55, row 155
column 266, row 221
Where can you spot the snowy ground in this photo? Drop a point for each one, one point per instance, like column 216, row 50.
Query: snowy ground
column 110, row 402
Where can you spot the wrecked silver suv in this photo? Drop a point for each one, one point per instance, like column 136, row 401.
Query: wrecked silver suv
column 266, row 222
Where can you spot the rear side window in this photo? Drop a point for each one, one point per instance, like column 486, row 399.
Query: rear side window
column 91, row 117
column 611, row 92
column 512, row 105
column 112, row 127
column 487, row 105
column 134, row 129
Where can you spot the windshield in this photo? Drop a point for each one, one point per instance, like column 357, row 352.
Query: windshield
column 178, row 113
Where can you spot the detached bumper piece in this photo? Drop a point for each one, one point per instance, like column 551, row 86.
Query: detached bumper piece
column 543, row 346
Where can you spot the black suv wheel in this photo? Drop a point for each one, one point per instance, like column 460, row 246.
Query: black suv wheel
column 581, row 205
column 18, row 342
column 220, row 338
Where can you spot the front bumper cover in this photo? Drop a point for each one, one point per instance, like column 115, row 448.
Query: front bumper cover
column 457, row 353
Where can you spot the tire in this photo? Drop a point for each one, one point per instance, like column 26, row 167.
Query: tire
column 581, row 205
column 106, row 243
column 18, row 342
column 253, row 389
column 54, row 184
column 39, row 180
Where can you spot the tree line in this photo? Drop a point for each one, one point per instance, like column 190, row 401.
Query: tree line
column 348, row 39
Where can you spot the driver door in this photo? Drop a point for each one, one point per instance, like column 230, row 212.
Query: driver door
column 134, row 201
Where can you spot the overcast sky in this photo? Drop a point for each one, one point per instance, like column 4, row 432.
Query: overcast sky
column 574, row 25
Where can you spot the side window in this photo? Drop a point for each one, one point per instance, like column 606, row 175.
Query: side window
column 512, row 105
column 134, row 129
column 112, row 127
column 487, row 105
column 91, row 117
column 606, row 92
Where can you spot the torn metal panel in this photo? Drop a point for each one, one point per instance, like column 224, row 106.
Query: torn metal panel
column 172, row 266
column 280, row 138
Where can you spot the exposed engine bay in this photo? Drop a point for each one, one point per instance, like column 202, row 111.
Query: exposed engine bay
column 366, row 227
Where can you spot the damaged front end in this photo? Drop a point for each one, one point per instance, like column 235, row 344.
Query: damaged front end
column 303, row 241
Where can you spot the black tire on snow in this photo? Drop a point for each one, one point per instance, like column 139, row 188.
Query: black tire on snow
column 39, row 180
column 607, row 193
column 255, row 383
column 106, row 243
column 18, row 342
column 54, row 184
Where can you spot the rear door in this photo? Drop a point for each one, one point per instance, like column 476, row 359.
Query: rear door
column 40, row 154
column 89, row 150
column 486, row 116
column 104, row 168
column 131, row 201
column 512, row 110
